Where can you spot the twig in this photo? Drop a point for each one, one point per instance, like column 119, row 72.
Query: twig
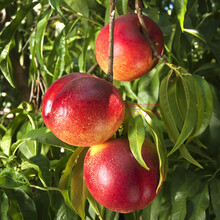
column 138, row 7
column 92, row 68
column 111, row 41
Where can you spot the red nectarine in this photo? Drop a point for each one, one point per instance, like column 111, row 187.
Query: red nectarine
column 133, row 56
column 83, row 110
column 116, row 180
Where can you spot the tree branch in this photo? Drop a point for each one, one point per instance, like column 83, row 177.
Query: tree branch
column 138, row 7
column 111, row 41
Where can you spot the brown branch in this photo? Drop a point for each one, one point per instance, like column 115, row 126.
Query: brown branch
column 111, row 41
column 92, row 68
column 138, row 7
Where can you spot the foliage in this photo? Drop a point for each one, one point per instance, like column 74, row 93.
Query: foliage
column 176, row 105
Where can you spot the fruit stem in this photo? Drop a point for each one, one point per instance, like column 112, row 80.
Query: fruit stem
column 138, row 7
column 111, row 41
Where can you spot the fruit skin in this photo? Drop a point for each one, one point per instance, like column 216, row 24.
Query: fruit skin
column 83, row 111
column 52, row 92
column 116, row 180
column 133, row 56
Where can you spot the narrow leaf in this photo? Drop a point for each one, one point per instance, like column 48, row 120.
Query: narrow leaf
column 158, row 140
column 39, row 39
column 78, row 186
column 181, row 7
column 207, row 98
column 185, row 153
column 45, row 136
column 55, row 5
column 6, row 141
column 79, row 6
column 3, row 205
column 191, row 113
column 64, row 180
column 166, row 110
column 9, row 31
column 202, row 203
column 136, row 137
column 5, row 64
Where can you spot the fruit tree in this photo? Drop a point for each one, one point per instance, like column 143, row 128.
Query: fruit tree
column 110, row 109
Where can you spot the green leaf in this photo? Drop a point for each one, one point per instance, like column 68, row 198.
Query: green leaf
column 98, row 208
column 39, row 39
column 15, row 211
column 78, row 6
column 23, row 203
column 10, row 178
column 9, row 31
column 64, row 180
column 215, row 195
column 181, row 8
column 5, row 64
column 136, row 137
column 6, row 141
column 157, row 134
column 30, row 165
column 191, row 111
column 45, row 136
column 185, row 154
column 207, row 99
column 78, row 187
column 201, row 203
column 43, row 168
column 55, row 5
column 184, row 185
column 27, row 148
column 3, row 205
column 5, row 3
column 166, row 110
column 176, row 109
column 148, row 87
column 64, row 212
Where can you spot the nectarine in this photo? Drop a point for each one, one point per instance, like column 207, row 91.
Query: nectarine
column 83, row 110
column 116, row 180
column 133, row 56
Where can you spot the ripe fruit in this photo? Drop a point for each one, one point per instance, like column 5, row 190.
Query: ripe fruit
column 133, row 56
column 83, row 110
column 116, row 180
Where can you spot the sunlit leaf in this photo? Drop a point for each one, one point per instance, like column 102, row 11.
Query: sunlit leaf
column 78, row 6
column 10, row 178
column 79, row 190
column 45, row 136
column 65, row 179
column 181, row 7
column 9, row 31
column 39, row 39
column 6, row 141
